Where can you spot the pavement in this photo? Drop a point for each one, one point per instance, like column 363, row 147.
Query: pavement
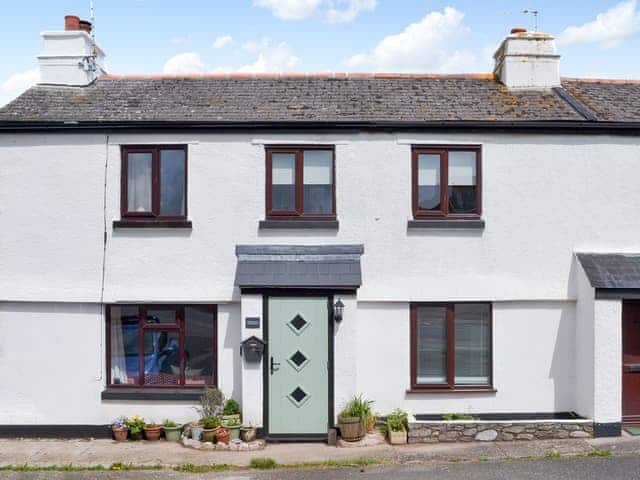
column 91, row 452
column 570, row 468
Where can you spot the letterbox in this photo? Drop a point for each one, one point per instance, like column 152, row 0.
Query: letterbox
column 252, row 349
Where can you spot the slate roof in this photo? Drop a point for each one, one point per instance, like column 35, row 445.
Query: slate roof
column 611, row 270
column 328, row 98
column 296, row 266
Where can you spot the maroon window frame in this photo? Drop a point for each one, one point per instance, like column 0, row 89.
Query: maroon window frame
column 156, row 186
column 298, row 213
column 443, row 152
column 177, row 326
column 450, row 384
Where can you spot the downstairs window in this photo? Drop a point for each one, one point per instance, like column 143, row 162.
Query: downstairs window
column 161, row 345
column 451, row 346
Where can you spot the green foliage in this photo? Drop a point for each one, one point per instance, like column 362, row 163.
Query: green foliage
column 135, row 424
column 211, row 403
column 231, row 407
column 210, row 422
column 76, row 468
column 263, row 463
column 397, row 421
column 356, row 462
column 358, row 407
column 456, row 416
column 169, row 424
column 191, row 468
column 552, row 455
column 600, row 453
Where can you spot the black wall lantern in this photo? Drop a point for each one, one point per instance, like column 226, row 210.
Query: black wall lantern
column 338, row 307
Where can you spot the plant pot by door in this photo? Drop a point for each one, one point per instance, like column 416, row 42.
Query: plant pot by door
column 172, row 434
column 351, row 428
column 398, row 438
column 196, row 432
column 120, row 434
column 152, row 432
column 248, row 434
column 234, row 432
column 222, row 435
column 208, row 434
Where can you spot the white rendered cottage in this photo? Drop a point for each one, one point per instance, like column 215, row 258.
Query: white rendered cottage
column 481, row 233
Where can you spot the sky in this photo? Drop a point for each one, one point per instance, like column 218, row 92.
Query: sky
column 596, row 38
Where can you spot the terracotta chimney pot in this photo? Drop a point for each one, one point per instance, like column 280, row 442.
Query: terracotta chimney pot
column 517, row 30
column 71, row 22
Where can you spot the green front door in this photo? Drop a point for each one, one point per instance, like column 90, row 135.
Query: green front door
column 298, row 366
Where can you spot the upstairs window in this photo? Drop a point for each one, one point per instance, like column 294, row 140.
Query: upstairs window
column 451, row 346
column 300, row 183
column 446, row 182
column 154, row 183
column 161, row 345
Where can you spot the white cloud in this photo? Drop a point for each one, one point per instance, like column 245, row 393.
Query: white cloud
column 290, row 9
column 421, row 46
column 271, row 57
column 347, row 10
column 222, row 41
column 188, row 62
column 336, row 11
column 608, row 29
column 19, row 82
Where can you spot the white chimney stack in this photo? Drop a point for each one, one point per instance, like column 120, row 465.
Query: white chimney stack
column 70, row 57
column 527, row 60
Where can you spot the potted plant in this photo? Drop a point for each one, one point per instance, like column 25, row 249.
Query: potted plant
column 233, row 425
column 152, row 431
column 397, row 424
column 211, row 402
column 196, row 430
column 172, row 430
column 248, row 433
column 352, row 418
column 120, row 429
column 209, row 424
column 135, row 425
column 222, row 435
column 231, row 411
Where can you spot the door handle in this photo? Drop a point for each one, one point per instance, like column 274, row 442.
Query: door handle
column 273, row 365
column 632, row 367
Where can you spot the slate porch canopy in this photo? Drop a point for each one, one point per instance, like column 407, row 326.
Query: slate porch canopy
column 328, row 267
column 613, row 275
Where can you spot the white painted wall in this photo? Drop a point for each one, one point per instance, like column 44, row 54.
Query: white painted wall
column 52, row 366
column 251, row 373
column 542, row 200
column 585, row 344
column 608, row 361
column 533, row 360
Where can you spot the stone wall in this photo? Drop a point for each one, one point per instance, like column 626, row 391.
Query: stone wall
column 469, row 431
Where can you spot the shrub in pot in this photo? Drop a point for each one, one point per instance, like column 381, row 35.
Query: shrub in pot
column 248, row 433
column 119, row 429
column 231, row 410
column 352, row 418
column 209, row 424
column 222, row 435
column 211, row 403
column 136, row 426
column 233, row 425
column 172, row 430
column 152, row 431
column 397, row 424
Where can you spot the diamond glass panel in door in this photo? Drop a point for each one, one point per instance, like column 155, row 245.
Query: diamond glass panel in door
column 198, row 346
column 139, row 182
column 318, row 182
column 125, row 327
column 172, row 183
column 161, row 357
column 462, row 182
column 429, row 182
column 283, row 179
column 472, row 339
column 432, row 345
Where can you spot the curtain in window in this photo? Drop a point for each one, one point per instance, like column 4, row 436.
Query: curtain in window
column 283, row 175
column 124, row 345
column 318, row 181
column 139, row 182
column 462, row 182
column 472, row 344
column 432, row 345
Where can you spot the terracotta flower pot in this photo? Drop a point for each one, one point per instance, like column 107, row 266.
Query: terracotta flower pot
column 152, row 432
column 120, row 433
column 222, row 435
